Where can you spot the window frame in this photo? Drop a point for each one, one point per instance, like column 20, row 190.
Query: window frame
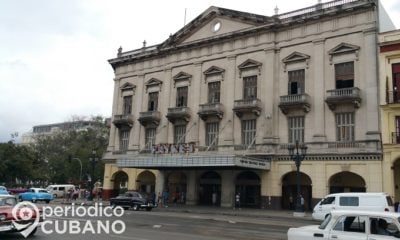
column 249, row 129
column 124, row 139
column 214, row 92
column 344, row 75
column 345, row 126
column 152, row 97
column 127, row 104
column 296, row 129
column 298, row 77
column 212, row 134
column 250, row 87
column 182, row 96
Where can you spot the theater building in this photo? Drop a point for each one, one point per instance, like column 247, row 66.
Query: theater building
column 211, row 111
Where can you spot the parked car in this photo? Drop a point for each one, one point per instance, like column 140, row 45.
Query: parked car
column 17, row 191
column 7, row 203
column 134, row 200
column 3, row 191
column 351, row 225
column 36, row 194
column 352, row 201
column 59, row 190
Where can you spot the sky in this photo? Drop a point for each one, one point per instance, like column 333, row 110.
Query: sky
column 53, row 53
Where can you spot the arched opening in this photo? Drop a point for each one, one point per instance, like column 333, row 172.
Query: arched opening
column 289, row 191
column 396, row 169
column 248, row 184
column 146, row 182
column 210, row 189
column 346, row 182
column 177, row 187
column 120, row 183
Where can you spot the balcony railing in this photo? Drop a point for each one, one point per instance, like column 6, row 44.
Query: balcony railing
column 177, row 113
column 343, row 96
column 243, row 106
column 295, row 101
column 123, row 120
column 150, row 117
column 211, row 109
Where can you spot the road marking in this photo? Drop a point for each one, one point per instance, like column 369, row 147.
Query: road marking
column 157, row 226
column 126, row 237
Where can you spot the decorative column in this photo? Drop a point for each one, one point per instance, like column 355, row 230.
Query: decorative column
column 227, row 188
column 191, row 194
column 317, row 81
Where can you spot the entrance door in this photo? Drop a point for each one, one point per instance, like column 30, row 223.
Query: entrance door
column 210, row 189
column 248, row 184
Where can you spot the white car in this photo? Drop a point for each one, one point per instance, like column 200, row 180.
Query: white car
column 351, row 225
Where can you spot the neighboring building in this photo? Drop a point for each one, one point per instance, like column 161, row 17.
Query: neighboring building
column 48, row 129
column 218, row 103
column 389, row 75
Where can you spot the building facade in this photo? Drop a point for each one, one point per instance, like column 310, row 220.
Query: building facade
column 389, row 75
column 211, row 111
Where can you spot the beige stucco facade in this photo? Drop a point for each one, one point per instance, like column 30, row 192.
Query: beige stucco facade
column 389, row 57
column 257, row 47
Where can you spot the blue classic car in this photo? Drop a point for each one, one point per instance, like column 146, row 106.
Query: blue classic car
column 36, row 194
column 3, row 191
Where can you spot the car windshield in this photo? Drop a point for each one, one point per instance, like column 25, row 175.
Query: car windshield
column 3, row 189
column 8, row 201
column 325, row 222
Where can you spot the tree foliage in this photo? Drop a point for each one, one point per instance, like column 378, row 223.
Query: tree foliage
column 54, row 158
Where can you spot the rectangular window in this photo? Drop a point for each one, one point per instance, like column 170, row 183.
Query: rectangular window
column 344, row 75
column 296, row 82
column 127, row 105
column 348, row 201
column 212, row 130
column 150, row 137
column 179, row 134
column 345, row 127
column 250, row 87
column 153, row 101
column 396, row 81
column 214, row 89
column 123, row 139
column 248, row 132
column 296, row 129
column 181, row 96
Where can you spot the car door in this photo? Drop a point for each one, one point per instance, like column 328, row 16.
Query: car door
column 349, row 227
column 376, row 232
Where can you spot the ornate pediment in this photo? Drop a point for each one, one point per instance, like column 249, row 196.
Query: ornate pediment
column 182, row 76
column 296, row 57
column 344, row 48
column 249, row 64
column 215, row 21
column 127, row 87
column 153, row 82
column 213, row 72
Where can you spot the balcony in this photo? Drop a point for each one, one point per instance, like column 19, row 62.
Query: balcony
column 246, row 106
column 343, row 96
column 149, row 118
column 123, row 120
column 294, row 102
column 210, row 110
column 178, row 113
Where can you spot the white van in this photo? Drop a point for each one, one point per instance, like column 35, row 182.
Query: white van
column 59, row 190
column 353, row 201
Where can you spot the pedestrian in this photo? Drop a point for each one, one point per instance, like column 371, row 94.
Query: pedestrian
column 302, row 202
column 160, row 200
column 165, row 198
column 214, row 198
column 291, row 202
column 237, row 200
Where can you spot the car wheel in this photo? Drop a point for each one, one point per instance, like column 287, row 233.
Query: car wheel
column 54, row 195
column 135, row 207
column 33, row 232
column 148, row 209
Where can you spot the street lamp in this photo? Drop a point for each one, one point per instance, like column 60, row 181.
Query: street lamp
column 298, row 157
column 93, row 160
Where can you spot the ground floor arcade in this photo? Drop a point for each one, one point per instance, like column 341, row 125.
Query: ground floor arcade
column 274, row 188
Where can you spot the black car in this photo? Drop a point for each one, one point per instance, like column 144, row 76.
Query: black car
column 134, row 200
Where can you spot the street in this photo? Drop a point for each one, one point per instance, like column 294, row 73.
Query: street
column 170, row 225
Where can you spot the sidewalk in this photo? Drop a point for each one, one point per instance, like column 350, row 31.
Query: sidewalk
column 243, row 212
column 224, row 211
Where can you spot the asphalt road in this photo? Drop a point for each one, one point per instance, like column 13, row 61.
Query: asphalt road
column 163, row 225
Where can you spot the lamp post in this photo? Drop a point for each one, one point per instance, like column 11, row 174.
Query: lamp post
column 93, row 161
column 80, row 163
column 298, row 157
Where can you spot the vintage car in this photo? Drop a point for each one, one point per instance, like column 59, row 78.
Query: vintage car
column 8, row 221
column 36, row 194
column 351, row 225
column 3, row 191
column 135, row 200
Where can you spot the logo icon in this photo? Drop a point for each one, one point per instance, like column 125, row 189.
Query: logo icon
column 26, row 218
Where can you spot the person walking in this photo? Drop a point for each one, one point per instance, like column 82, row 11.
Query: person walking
column 237, row 200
